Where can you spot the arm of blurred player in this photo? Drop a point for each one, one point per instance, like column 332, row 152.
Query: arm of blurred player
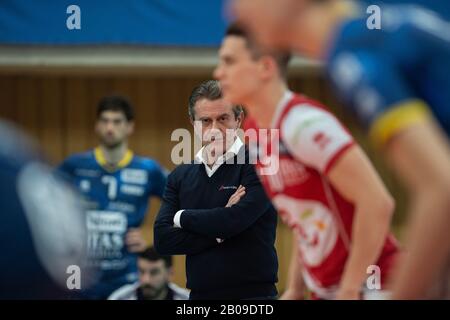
column 354, row 177
column 135, row 240
column 420, row 155
column 295, row 286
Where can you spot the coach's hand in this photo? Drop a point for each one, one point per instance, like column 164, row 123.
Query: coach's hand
column 135, row 241
column 235, row 197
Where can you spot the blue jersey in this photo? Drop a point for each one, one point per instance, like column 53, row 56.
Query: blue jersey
column 41, row 224
column 116, row 200
column 394, row 76
column 440, row 6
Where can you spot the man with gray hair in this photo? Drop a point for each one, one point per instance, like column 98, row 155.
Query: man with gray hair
column 216, row 212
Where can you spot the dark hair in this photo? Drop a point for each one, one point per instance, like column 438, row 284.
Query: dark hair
column 115, row 103
column 282, row 58
column 209, row 90
column 150, row 254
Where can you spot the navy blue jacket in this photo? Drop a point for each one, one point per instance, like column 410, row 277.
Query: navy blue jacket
column 245, row 264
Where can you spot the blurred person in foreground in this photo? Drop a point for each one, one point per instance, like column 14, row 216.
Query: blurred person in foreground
column 391, row 69
column 42, row 229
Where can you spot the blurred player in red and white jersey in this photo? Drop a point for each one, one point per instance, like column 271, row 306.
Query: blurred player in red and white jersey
column 322, row 184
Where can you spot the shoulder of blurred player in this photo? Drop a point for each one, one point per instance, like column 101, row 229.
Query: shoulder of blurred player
column 314, row 135
column 146, row 162
column 178, row 292
column 79, row 157
column 151, row 165
column 69, row 164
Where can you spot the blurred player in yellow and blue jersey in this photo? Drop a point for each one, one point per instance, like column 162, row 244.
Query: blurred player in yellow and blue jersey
column 116, row 185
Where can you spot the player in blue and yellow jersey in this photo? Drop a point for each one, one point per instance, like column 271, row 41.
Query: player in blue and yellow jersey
column 116, row 185
column 391, row 66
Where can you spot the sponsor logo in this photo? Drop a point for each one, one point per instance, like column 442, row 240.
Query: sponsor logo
column 135, row 176
column 132, row 190
column 222, row 187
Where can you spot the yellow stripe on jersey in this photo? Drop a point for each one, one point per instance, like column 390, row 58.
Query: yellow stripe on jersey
column 397, row 118
column 100, row 157
column 126, row 159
